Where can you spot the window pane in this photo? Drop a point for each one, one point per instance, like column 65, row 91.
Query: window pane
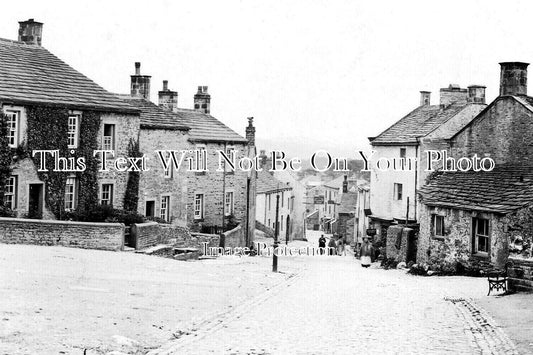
column 72, row 134
column 108, row 142
column 12, row 127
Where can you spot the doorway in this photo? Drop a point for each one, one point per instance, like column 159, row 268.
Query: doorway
column 35, row 201
column 288, row 230
column 150, row 209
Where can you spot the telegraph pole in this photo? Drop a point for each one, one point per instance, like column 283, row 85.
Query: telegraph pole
column 276, row 234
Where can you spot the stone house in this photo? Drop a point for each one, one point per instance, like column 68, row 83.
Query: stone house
column 332, row 192
column 51, row 106
column 494, row 205
column 346, row 212
column 298, row 205
column 362, row 220
column 402, row 148
column 269, row 189
column 477, row 219
column 215, row 196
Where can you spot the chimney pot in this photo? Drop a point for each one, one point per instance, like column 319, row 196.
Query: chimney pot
column 513, row 78
column 137, row 68
column 165, row 85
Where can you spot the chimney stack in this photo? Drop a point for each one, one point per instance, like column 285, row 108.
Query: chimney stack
column 140, row 84
column 250, row 132
column 168, row 100
column 425, row 97
column 513, row 78
column 453, row 94
column 476, row 94
column 30, row 32
column 345, row 184
column 202, row 100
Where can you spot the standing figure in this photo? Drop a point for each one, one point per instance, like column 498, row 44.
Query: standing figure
column 332, row 246
column 341, row 245
column 366, row 252
column 322, row 244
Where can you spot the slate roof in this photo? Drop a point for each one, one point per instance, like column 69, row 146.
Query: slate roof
column 335, row 183
column 418, row 123
column 202, row 127
column 266, row 182
column 206, row 128
column 154, row 117
column 30, row 74
column 503, row 190
column 348, row 202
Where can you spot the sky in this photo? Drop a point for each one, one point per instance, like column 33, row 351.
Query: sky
column 314, row 74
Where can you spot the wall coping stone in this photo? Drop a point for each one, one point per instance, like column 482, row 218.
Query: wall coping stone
column 52, row 221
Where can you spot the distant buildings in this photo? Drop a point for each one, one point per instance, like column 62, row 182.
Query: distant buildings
column 275, row 202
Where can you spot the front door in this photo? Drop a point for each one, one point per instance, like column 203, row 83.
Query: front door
column 35, row 204
column 288, row 229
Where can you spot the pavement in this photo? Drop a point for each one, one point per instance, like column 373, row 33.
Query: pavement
column 61, row 300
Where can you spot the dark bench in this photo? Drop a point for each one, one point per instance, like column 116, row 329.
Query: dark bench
column 497, row 280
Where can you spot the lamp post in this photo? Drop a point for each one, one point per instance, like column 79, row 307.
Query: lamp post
column 276, row 234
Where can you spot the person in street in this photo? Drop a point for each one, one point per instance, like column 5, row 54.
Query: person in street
column 332, row 246
column 366, row 252
column 322, row 244
column 340, row 245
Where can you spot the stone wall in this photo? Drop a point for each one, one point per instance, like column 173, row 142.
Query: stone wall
column 212, row 184
column 520, row 273
column 153, row 184
column 150, row 234
column 269, row 232
column 503, row 132
column 444, row 252
column 104, row 236
column 235, row 238
column 394, row 234
column 126, row 128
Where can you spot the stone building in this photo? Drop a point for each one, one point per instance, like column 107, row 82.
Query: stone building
column 346, row 212
column 298, row 205
column 269, row 189
column 490, row 211
column 51, row 106
column 212, row 197
column 393, row 185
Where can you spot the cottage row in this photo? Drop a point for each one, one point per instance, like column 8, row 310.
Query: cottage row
column 462, row 219
column 51, row 106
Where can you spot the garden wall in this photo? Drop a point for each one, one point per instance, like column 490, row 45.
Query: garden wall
column 87, row 235
column 149, row 234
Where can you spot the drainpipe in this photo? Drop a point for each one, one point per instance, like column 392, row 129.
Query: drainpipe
column 416, row 177
column 224, row 192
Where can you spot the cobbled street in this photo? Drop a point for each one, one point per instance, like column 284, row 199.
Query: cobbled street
column 234, row 305
column 336, row 306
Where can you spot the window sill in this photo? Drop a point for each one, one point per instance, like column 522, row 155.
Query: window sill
column 199, row 173
column 438, row 238
column 198, row 219
column 481, row 255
